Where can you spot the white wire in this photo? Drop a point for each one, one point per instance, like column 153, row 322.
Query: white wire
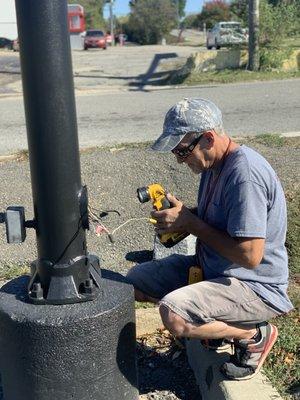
column 118, row 227
column 126, row 222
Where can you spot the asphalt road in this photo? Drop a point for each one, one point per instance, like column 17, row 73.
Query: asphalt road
column 106, row 118
column 117, row 103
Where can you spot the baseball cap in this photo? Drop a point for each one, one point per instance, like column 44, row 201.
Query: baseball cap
column 188, row 115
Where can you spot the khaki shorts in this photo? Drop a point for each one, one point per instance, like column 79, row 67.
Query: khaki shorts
column 224, row 299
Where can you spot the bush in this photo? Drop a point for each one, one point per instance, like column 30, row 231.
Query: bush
column 276, row 22
column 272, row 58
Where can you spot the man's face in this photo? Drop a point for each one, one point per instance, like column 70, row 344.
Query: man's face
column 190, row 152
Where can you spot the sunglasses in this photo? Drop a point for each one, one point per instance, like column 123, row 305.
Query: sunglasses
column 183, row 153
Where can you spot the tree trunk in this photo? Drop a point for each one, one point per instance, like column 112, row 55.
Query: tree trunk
column 253, row 45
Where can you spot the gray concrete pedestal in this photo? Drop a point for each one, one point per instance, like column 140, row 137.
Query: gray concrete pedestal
column 83, row 351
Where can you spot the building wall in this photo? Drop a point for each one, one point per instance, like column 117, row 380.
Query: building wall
column 8, row 23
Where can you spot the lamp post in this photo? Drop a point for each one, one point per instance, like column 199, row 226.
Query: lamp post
column 66, row 332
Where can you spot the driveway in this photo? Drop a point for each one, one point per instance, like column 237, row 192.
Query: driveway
column 95, row 69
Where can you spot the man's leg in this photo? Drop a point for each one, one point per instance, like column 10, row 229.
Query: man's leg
column 178, row 326
column 223, row 308
column 154, row 279
column 142, row 297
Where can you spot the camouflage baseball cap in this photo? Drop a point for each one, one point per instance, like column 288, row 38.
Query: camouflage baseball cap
column 188, row 115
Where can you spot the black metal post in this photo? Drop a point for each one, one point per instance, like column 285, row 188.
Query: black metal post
column 61, row 273
column 58, row 345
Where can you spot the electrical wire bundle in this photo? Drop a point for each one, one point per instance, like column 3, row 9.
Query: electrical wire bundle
column 96, row 222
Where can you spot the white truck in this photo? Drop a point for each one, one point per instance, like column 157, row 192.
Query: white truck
column 226, row 33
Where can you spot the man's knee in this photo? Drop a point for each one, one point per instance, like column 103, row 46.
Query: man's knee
column 173, row 322
column 142, row 297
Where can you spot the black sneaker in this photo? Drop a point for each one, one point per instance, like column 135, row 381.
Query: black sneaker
column 249, row 355
column 216, row 344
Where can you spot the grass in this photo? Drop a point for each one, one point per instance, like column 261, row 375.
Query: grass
column 231, row 76
column 138, row 305
column 292, row 42
column 282, row 366
column 10, row 271
column 269, row 140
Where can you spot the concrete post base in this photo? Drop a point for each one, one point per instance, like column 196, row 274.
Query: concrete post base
column 83, row 351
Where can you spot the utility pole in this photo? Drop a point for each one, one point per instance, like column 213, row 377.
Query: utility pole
column 111, row 17
column 177, row 14
column 253, row 44
column 68, row 330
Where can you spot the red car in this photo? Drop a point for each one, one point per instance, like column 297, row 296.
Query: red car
column 94, row 39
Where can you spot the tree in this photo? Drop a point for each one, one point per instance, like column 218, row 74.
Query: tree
column 191, row 21
column 278, row 22
column 239, row 10
column 178, row 4
column 214, row 11
column 150, row 20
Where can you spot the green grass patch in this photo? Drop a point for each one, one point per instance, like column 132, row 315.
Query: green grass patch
column 231, row 76
column 270, row 140
column 138, row 305
column 293, row 233
column 292, row 42
column 282, row 366
column 10, row 271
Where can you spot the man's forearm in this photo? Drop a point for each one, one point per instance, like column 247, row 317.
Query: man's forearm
column 241, row 252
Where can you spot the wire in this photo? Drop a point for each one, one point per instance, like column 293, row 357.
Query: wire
column 129, row 220
column 72, row 239
column 94, row 218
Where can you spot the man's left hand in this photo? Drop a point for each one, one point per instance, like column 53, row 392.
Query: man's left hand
column 174, row 219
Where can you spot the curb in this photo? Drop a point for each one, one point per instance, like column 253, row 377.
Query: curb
column 205, row 365
column 212, row 384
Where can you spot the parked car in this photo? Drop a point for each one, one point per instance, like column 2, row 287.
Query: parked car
column 6, row 43
column 94, row 39
column 16, row 45
column 226, row 33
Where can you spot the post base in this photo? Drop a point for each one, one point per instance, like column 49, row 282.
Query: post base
column 82, row 351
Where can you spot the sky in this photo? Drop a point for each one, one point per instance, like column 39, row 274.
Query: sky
column 8, row 27
column 121, row 7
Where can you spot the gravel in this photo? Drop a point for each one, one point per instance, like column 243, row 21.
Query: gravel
column 163, row 370
column 112, row 176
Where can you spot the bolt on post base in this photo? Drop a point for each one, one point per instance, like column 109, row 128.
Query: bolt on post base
column 75, row 282
column 79, row 351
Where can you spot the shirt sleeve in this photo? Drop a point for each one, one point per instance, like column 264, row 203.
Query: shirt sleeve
column 247, row 206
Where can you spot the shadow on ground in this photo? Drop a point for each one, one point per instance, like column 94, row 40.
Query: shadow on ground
column 139, row 256
column 151, row 77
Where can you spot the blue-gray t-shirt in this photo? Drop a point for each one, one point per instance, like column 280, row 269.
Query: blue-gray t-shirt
column 248, row 201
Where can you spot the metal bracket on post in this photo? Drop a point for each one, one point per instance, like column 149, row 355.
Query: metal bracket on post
column 64, row 283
